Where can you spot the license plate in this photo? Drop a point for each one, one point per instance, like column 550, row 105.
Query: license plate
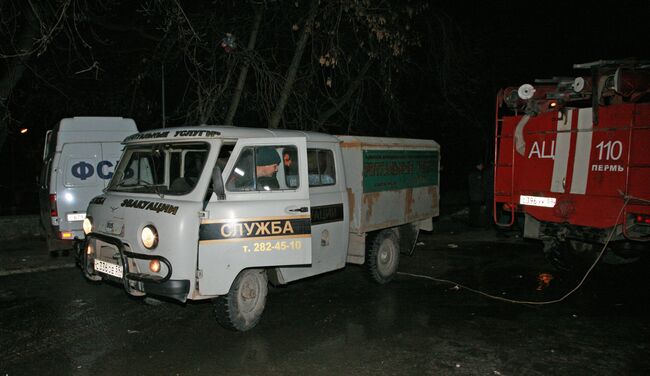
column 547, row 202
column 108, row 268
column 73, row 217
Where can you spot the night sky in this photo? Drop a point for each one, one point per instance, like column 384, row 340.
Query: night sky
column 488, row 45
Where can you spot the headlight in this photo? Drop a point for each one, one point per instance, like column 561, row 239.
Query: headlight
column 149, row 237
column 88, row 225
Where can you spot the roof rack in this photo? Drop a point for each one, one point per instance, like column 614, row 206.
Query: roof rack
column 631, row 63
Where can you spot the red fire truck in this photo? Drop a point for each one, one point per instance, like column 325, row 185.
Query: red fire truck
column 572, row 157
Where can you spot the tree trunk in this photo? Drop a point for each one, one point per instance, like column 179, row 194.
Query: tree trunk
column 293, row 68
column 244, row 70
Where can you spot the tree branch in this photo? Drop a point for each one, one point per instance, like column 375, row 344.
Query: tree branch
column 295, row 64
column 325, row 115
column 244, row 70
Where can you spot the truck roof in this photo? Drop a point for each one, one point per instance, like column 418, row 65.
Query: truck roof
column 88, row 129
column 194, row 133
column 367, row 142
column 96, row 124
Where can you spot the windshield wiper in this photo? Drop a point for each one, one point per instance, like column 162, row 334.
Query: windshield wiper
column 146, row 184
column 139, row 184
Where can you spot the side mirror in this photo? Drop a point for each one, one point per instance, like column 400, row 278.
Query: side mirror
column 217, row 183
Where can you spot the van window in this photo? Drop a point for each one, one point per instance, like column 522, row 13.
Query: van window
column 50, row 144
column 44, row 179
column 160, row 168
column 320, row 165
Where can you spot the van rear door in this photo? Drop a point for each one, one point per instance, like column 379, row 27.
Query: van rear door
column 78, row 181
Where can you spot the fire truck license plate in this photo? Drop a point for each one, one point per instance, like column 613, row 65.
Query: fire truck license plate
column 547, row 202
column 108, row 268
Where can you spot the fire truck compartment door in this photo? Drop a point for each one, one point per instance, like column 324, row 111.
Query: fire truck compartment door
column 264, row 220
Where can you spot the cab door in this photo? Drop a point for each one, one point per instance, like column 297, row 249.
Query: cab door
column 259, row 223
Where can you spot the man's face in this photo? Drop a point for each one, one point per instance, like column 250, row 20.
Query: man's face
column 287, row 160
column 267, row 171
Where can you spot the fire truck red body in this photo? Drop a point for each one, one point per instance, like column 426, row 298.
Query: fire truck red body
column 573, row 155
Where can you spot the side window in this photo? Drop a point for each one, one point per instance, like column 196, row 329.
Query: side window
column 290, row 166
column 193, row 165
column 185, row 168
column 45, row 174
column 320, row 166
column 174, row 166
column 258, row 168
column 241, row 178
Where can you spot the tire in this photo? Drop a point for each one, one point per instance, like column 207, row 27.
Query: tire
column 382, row 258
column 242, row 308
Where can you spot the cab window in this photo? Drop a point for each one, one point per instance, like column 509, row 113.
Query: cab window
column 320, row 166
column 262, row 168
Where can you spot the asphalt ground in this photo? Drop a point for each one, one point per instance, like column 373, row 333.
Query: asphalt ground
column 29, row 255
column 445, row 313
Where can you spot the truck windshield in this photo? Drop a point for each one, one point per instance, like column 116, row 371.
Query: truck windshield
column 160, row 168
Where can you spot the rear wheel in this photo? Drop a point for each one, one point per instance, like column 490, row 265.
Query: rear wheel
column 241, row 309
column 383, row 257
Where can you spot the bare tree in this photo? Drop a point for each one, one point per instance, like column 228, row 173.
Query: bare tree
column 30, row 30
column 295, row 63
column 311, row 59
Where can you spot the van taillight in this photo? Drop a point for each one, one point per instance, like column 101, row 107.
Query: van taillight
column 53, row 211
column 642, row 219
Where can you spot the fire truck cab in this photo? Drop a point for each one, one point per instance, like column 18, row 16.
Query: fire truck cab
column 573, row 155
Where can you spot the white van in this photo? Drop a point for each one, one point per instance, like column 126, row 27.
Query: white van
column 79, row 157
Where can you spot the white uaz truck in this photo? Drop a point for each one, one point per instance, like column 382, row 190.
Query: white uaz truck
column 218, row 212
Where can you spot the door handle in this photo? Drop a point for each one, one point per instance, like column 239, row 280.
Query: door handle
column 303, row 209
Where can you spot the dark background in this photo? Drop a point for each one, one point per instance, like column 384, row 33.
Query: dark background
column 444, row 89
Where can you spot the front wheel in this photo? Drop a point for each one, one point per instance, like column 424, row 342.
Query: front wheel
column 383, row 257
column 241, row 309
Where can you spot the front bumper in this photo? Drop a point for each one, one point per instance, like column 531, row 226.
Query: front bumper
column 135, row 282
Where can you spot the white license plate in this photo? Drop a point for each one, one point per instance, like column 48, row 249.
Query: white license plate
column 547, row 202
column 108, row 268
column 73, row 217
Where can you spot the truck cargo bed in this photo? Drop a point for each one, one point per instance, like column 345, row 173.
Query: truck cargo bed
column 390, row 181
